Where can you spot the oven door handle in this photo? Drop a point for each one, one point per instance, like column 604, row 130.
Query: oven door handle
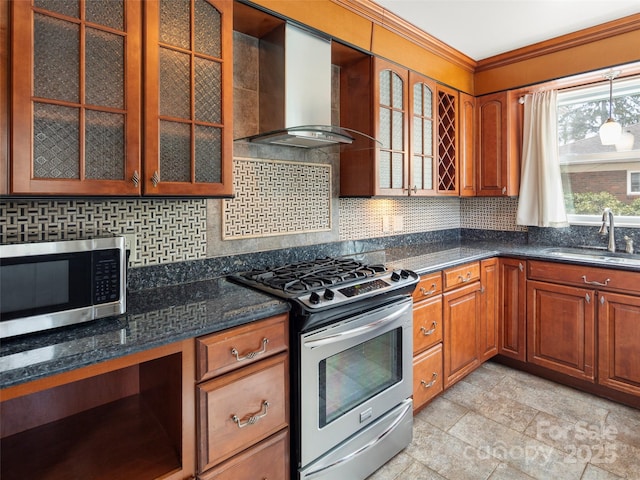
column 372, row 443
column 357, row 331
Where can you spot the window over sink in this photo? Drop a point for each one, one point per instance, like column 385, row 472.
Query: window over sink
column 595, row 176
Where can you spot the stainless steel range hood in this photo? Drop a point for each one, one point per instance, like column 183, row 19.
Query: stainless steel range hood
column 295, row 90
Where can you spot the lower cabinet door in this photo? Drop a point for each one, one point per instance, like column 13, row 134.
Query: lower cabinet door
column 427, row 376
column 561, row 328
column 619, row 342
column 268, row 459
column 241, row 408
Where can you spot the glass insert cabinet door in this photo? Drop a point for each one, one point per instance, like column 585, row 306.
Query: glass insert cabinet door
column 422, row 93
column 75, row 107
column 188, row 97
column 392, row 85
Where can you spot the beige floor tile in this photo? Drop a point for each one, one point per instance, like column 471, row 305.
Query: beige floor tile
column 506, row 472
column 551, row 398
column 621, row 459
column 507, row 411
column 502, row 424
column 442, row 413
column 594, row 473
column 449, row 456
column 518, row 450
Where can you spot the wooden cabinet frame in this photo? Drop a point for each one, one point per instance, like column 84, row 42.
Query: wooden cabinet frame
column 23, row 180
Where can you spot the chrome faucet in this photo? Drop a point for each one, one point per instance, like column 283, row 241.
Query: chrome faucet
column 607, row 214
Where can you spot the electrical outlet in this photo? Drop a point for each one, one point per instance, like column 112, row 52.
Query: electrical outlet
column 131, row 244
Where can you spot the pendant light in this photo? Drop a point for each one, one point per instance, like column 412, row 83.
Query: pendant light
column 610, row 130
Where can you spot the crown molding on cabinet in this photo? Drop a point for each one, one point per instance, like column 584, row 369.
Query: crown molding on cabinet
column 380, row 16
column 564, row 42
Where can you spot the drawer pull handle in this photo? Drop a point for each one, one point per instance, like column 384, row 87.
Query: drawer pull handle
column 426, row 293
column 253, row 418
column 431, row 383
column 606, row 282
column 250, row 355
column 426, row 332
column 464, row 279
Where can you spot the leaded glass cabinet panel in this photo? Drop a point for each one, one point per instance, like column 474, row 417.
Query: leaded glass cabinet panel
column 76, row 70
column 422, row 92
column 392, row 104
column 188, row 102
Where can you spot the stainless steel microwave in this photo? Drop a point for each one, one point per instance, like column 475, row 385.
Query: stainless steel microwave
column 51, row 284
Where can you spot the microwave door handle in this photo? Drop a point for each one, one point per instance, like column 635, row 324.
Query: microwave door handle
column 354, row 332
column 376, row 440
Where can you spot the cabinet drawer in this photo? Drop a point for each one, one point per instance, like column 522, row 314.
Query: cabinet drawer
column 587, row 277
column 241, row 408
column 427, row 324
column 428, row 286
column 427, row 376
column 224, row 351
column 268, row 459
column 455, row 277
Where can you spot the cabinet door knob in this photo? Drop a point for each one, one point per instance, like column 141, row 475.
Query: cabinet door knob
column 155, row 179
column 135, row 179
column 504, row 190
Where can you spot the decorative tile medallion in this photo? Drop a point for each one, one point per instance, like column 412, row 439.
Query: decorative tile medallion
column 276, row 197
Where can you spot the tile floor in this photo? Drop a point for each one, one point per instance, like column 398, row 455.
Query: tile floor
column 503, row 424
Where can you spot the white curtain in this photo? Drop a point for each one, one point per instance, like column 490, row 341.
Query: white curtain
column 541, row 202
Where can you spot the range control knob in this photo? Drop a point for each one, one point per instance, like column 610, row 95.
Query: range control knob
column 404, row 274
column 395, row 277
column 329, row 294
column 314, row 298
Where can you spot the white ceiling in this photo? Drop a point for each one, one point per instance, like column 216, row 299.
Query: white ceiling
column 483, row 28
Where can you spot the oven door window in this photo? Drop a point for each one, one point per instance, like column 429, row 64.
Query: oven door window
column 353, row 376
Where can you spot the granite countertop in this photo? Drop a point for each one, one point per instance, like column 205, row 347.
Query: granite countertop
column 154, row 317
column 165, row 315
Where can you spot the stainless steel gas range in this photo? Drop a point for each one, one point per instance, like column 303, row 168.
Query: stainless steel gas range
column 351, row 351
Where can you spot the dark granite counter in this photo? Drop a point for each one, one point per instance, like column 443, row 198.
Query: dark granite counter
column 160, row 316
column 154, row 317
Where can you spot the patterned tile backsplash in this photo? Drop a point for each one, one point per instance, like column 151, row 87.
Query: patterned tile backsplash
column 490, row 213
column 166, row 230
column 276, row 197
column 176, row 230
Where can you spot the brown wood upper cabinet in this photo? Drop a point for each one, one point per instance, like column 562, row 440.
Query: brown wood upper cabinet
column 498, row 141
column 76, row 99
column 188, row 98
column 374, row 100
column 415, row 120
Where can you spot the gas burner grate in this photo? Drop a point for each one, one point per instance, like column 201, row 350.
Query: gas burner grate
column 302, row 277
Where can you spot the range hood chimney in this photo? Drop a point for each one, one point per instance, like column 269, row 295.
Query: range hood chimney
column 295, row 90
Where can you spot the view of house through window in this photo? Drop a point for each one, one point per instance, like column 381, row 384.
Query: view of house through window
column 596, row 176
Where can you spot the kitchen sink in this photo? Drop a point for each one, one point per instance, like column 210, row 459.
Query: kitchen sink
column 600, row 256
